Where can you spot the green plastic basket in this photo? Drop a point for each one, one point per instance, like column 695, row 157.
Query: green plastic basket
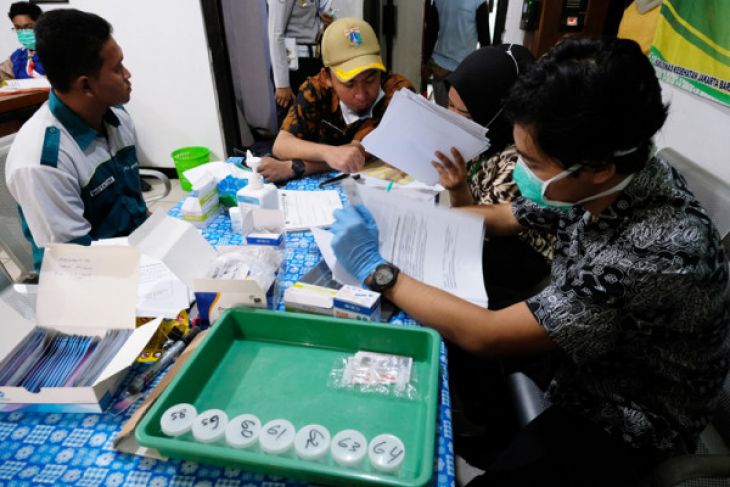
column 187, row 158
column 277, row 365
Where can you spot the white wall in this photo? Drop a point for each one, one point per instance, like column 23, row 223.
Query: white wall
column 512, row 33
column 407, row 41
column 698, row 128
column 8, row 39
column 173, row 94
column 347, row 8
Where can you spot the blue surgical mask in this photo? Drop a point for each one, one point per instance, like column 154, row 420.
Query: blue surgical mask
column 533, row 188
column 26, row 37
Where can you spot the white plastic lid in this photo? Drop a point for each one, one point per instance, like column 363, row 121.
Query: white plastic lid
column 312, row 442
column 178, row 419
column 349, row 447
column 243, row 431
column 210, row 426
column 277, row 436
column 386, row 452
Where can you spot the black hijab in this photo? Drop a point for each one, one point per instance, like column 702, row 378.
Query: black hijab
column 483, row 80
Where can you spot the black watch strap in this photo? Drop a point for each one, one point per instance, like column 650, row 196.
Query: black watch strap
column 297, row 165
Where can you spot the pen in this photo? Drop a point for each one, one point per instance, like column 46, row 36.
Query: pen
column 333, row 126
column 142, row 380
column 339, row 177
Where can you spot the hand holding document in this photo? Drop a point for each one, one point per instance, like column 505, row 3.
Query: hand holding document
column 440, row 247
column 413, row 129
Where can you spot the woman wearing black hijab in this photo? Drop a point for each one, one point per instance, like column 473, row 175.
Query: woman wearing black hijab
column 512, row 266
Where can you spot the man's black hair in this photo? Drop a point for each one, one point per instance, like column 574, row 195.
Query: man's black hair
column 24, row 8
column 587, row 100
column 69, row 43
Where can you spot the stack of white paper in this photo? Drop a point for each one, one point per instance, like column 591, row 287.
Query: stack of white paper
column 29, row 84
column 413, row 129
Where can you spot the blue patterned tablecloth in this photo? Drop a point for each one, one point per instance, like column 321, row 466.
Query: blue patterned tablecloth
column 76, row 449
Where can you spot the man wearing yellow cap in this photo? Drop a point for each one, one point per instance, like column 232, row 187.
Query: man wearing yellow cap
column 336, row 108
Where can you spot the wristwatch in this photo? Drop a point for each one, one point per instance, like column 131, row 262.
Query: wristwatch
column 297, row 165
column 383, row 277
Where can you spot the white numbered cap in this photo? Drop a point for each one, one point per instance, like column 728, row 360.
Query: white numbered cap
column 349, row 447
column 312, row 442
column 243, row 431
column 210, row 426
column 178, row 419
column 386, row 452
column 277, row 436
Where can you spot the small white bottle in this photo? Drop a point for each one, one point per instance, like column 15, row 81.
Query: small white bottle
column 256, row 194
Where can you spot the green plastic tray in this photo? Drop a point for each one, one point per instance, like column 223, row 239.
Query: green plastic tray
column 277, row 365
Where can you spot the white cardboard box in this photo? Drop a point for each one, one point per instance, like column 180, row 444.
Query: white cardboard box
column 83, row 290
column 357, row 303
column 189, row 256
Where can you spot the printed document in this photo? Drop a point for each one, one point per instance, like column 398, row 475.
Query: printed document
column 438, row 246
column 306, row 209
column 413, row 129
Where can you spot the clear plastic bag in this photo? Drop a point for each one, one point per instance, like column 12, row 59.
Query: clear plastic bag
column 379, row 373
column 252, row 262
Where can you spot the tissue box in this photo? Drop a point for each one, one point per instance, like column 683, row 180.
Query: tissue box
column 357, row 303
column 202, row 206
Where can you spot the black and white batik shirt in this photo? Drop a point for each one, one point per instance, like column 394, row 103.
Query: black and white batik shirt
column 639, row 305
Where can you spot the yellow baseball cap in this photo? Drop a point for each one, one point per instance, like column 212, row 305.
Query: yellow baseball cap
column 349, row 47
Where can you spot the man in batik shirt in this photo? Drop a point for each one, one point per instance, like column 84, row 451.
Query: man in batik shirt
column 335, row 109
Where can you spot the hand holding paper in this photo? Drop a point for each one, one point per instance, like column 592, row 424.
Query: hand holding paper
column 413, row 129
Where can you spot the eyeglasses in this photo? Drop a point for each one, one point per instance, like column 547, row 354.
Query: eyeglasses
column 25, row 27
column 512, row 56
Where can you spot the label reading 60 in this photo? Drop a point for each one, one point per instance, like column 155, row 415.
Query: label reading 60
column 243, row 431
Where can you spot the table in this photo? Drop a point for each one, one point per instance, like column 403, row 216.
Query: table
column 76, row 449
column 16, row 109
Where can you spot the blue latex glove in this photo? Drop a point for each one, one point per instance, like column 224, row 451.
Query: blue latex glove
column 355, row 241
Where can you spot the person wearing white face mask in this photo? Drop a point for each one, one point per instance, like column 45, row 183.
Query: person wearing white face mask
column 638, row 305
column 24, row 62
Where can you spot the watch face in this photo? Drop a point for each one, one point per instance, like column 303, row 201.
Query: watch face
column 297, row 166
column 383, row 275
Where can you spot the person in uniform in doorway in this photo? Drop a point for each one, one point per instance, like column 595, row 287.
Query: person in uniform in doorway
column 294, row 27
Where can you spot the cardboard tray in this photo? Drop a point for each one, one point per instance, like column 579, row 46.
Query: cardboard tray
column 277, row 365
